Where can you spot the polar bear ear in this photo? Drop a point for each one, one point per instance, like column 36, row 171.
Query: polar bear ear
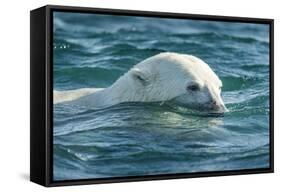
column 140, row 76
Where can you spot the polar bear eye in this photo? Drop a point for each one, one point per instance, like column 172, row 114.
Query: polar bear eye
column 193, row 87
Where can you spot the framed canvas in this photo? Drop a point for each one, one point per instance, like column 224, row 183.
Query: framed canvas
column 123, row 95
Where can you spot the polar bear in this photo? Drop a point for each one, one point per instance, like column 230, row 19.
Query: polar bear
column 182, row 79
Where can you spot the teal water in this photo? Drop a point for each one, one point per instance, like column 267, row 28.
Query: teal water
column 148, row 138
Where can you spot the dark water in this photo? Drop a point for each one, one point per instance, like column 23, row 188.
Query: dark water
column 143, row 139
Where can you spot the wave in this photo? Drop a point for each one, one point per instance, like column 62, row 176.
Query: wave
column 235, row 83
column 115, row 151
column 87, row 75
column 219, row 37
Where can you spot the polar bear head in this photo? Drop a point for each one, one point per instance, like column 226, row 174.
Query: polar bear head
column 183, row 79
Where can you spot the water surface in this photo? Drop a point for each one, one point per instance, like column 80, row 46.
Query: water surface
column 148, row 138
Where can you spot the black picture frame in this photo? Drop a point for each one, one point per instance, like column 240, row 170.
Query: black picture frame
column 41, row 94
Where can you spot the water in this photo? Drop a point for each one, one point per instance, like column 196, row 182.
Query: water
column 142, row 139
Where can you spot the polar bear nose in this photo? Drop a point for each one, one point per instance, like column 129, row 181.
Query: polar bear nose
column 216, row 106
column 214, row 103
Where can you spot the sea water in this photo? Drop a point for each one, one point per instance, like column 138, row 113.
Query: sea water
column 133, row 139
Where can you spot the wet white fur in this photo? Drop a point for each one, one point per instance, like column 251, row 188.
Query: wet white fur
column 162, row 77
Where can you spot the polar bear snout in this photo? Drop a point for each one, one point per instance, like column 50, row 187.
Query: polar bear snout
column 217, row 107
